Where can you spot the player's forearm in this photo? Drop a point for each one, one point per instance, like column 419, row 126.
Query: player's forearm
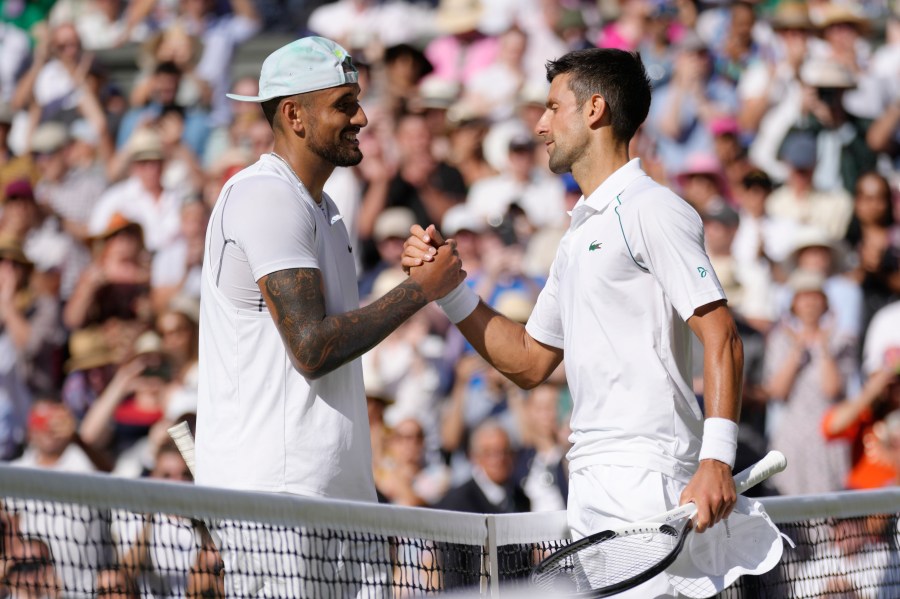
column 723, row 365
column 508, row 347
column 319, row 344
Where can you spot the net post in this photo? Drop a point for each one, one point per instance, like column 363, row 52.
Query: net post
column 493, row 565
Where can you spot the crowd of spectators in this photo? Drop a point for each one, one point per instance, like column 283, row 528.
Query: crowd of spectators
column 779, row 121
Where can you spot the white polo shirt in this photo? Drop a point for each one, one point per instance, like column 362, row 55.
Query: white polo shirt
column 628, row 274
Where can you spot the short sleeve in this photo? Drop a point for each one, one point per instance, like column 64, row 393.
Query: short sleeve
column 545, row 322
column 669, row 242
column 271, row 223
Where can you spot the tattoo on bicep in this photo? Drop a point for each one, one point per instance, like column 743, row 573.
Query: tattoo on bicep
column 319, row 343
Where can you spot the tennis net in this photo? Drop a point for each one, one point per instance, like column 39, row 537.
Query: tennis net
column 66, row 535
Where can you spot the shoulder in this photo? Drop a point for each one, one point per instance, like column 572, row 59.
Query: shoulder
column 652, row 202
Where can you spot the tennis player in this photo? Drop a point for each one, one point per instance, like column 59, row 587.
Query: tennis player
column 630, row 283
column 281, row 400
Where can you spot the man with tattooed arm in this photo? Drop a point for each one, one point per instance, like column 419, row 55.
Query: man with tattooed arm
column 281, row 400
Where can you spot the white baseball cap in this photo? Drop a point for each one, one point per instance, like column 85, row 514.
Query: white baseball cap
column 748, row 542
column 304, row 65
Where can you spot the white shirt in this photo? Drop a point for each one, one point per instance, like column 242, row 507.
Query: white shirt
column 261, row 425
column 542, row 198
column 619, row 309
column 160, row 217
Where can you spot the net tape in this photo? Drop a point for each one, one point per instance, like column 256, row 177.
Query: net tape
column 85, row 535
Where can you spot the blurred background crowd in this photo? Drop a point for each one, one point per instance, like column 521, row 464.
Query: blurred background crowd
column 779, row 121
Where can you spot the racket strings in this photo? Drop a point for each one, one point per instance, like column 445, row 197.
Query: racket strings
column 611, row 562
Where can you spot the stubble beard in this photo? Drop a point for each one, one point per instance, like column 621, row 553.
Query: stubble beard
column 336, row 153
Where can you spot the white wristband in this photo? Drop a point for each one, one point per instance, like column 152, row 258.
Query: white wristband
column 459, row 303
column 719, row 440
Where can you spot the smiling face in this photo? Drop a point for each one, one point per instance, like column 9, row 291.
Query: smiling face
column 333, row 120
column 562, row 126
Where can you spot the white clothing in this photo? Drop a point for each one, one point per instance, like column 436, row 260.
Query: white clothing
column 72, row 532
column 261, row 425
column 882, row 334
column 542, row 198
column 55, row 88
column 14, row 52
column 628, row 274
column 169, row 269
column 357, row 26
column 173, row 548
column 160, row 218
column 602, row 497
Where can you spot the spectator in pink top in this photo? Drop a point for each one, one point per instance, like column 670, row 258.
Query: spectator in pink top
column 462, row 50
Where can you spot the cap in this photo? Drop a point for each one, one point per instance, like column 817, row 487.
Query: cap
column 799, row 150
column 747, row 542
column 459, row 16
column 145, row 144
column 20, row 189
column 117, row 222
column 461, row 218
column 724, row 125
column 826, row 74
column 88, row 348
column 304, row 65
column 719, row 211
column 802, row 280
column 49, row 137
column 393, row 222
column 757, row 178
column 701, row 163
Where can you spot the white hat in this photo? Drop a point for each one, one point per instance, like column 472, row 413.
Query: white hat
column 304, row 65
column 747, row 542
column 826, row 74
column 49, row 137
column 461, row 217
column 393, row 222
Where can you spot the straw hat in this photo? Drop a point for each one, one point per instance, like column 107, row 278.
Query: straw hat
column 459, row 16
column 88, row 348
column 791, row 15
column 393, row 222
column 145, row 144
column 11, row 249
column 802, row 281
column 826, row 74
column 838, row 14
column 810, row 237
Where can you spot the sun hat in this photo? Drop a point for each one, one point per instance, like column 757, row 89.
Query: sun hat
column 145, row 144
column 747, row 542
column 393, row 222
column 826, row 74
column 89, row 348
column 304, row 65
column 806, row 281
column 461, row 217
column 11, row 248
column 791, row 15
column 117, row 223
column 459, row 16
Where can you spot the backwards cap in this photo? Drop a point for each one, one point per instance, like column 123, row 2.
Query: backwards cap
column 304, row 65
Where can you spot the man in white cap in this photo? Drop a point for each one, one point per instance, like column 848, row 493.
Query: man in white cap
column 281, row 404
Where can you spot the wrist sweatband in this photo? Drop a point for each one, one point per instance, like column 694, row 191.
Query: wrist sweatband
column 719, row 440
column 459, row 303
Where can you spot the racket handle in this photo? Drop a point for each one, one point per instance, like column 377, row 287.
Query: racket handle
column 773, row 463
column 181, row 434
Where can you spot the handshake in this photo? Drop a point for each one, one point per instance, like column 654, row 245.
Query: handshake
column 432, row 263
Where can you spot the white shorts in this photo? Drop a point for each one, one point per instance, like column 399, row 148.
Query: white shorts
column 601, row 497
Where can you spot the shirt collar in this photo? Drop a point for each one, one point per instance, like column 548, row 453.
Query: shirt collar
column 613, row 186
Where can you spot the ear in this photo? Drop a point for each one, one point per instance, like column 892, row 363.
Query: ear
column 596, row 111
column 293, row 115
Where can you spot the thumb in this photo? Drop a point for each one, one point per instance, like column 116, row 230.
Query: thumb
column 437, row 239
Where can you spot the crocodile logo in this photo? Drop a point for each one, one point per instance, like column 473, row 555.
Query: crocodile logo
column 594, row 246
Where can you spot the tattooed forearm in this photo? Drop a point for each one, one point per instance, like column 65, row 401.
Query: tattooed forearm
column 320, row 344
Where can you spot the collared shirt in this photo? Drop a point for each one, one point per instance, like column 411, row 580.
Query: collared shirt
column 160, row 218
column 628, row 274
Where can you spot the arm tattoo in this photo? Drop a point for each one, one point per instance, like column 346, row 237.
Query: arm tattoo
column 318, row 344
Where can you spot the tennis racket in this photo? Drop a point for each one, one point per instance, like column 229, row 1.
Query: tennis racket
column 181, row 434
column 618, row 559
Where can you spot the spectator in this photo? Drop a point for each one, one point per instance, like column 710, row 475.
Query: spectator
column 870, row 422
column 806, row 369
column 174, row 45
column 175, row 269
column 404, row 475
column 874, row 237
column 115, row 583
column 800, row 199
column 116, row 282
column 460, row 50
column 30, row 572
column 142, row 197
column 491, row 490
column 702, row 181
column 882, row 333
column 683, row 108
column 391, row 230
column 91, row 365
column 540, row 468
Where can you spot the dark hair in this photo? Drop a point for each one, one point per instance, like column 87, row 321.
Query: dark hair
column 616, row 75
column 854, row 234
column 270, row 107
column 168, row 68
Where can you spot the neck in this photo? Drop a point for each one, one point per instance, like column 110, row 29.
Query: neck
column 312, row 170
column 597, row 164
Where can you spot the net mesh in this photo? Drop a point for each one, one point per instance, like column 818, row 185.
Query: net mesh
column 88, row 536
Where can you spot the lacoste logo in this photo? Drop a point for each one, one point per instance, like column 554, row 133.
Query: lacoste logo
column 594, row 246
column 702, row 271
